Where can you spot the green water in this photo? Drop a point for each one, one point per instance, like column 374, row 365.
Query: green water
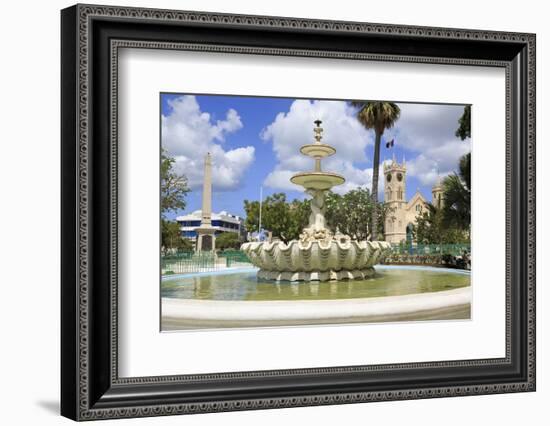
column 245, row 286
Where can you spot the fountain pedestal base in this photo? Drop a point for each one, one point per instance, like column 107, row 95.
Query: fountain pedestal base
column 356, row 274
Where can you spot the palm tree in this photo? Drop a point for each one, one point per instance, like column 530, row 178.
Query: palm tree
column 457, row 196
column 378, row 116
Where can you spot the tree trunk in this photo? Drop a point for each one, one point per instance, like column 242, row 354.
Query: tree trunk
column 374, row 192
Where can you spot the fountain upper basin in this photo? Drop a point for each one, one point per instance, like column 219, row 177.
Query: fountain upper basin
column 317, row 150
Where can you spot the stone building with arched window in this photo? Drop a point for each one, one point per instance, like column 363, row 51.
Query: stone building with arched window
column 399, row 222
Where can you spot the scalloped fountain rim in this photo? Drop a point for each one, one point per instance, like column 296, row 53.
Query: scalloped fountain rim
column 316, row 260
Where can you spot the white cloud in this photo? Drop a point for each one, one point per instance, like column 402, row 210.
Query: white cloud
column 439, row 161
column 188, row 134
column 280, row 179
column 429, row 130
column 292, row 129
column 422, row 127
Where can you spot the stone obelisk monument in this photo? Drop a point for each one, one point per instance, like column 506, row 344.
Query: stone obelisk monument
column 206, row 239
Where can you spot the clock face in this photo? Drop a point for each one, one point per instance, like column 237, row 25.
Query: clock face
column 388, row 177
column 399, row 177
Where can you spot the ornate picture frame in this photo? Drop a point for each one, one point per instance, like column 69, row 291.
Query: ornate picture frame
column 90, row 39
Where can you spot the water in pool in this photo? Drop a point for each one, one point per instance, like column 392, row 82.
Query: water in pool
column 245, row 286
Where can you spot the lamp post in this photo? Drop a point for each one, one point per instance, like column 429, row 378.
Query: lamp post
column 260, row 220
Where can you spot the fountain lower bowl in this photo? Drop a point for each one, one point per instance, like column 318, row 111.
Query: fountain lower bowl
column 316, row 260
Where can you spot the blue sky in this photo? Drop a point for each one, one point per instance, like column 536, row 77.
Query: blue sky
column 255, row 142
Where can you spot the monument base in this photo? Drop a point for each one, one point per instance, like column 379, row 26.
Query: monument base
column 206, row 239
column 342, row 275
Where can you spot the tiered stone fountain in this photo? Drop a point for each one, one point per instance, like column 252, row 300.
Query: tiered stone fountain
column 319, row 254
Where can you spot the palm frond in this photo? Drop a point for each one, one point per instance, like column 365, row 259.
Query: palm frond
column 464, row 169
column 377, row 115
column 456, row 205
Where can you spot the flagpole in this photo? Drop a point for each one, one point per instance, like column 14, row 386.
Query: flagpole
column 260, row 221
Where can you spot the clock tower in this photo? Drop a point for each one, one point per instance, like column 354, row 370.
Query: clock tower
column 394, row 197
column 437, row 193
column 400, row 220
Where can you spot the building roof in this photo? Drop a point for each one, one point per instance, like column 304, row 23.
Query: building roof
column 223, row 215
column 416, row 197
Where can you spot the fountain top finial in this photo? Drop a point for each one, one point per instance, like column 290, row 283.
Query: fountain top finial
column 318, row 131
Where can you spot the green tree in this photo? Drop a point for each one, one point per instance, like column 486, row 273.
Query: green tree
column 464, row 121
column 283, row 219
column 173, row 187
column 276, row 216
column 430, row 228
column 299, row 211
column 350, row 213
column 427, row 229
column 464, row 166
column 378, row 116
column 252, row 211
column 185, row 245
column 457, row 196
column 171, row 238
column 227, row 240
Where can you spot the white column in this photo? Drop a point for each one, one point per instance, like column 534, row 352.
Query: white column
column 207, row 192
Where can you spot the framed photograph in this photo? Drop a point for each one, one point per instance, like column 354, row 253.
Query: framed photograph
column 263, row 212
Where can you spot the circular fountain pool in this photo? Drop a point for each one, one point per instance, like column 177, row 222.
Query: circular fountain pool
column 237, row 299
column 243, row 285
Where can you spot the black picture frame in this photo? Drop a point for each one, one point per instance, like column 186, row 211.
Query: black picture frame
column 90, row 386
